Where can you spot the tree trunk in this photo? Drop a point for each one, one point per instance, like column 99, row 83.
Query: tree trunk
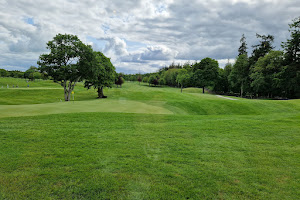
column 64, row 84
column 100, row 93
column 203, row 90
column 242, row 90
column 181, row 88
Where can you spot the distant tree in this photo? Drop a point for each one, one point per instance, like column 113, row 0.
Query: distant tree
column 261, row 49
column 239, row 76
column 266, row 74
column 291, row 71
column 119, row 80
column 292, row 46
column 145, row 79
column 243, row 47
column 139, row 79
column 226, row 73
column 37, row 75
column 187, row 66
column 29, row 72
column 183, row 78
column 153, row 80
column 222, row 85
column 3, row 73
column 162, row 81
column 205, row 73
column 170, row 76
column 103, row 74
column 67, row 62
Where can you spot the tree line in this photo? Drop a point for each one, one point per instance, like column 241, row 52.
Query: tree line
column 31, row 74
column 265, row 73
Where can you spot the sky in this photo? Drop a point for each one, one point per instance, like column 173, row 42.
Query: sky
column 141, row 36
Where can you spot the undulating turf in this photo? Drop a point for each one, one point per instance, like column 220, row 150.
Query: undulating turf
column 146, row 143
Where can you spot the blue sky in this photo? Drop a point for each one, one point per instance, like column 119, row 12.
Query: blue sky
column 142, row 36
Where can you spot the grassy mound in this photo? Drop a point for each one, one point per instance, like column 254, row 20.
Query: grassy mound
column 146, row 143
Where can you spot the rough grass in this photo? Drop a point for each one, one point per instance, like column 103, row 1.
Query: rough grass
column 147, row 143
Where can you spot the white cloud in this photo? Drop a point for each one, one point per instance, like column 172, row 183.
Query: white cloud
column 141, row 34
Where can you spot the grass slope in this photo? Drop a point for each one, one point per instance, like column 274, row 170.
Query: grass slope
column 147, row 143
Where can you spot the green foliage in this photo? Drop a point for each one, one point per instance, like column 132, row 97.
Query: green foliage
column 170, row 76
column 243, row 48
column 266, row 74
column 261, row 49
column 183, row 78
column 3, row 73
column 119, row 80
column 239, row 76
column 29, row 72
column 292, row 46
column 102, row 74
column 205, row 73
column 153, row 79
column 291, row 71
column 68, row 61
column 145, row 79
column 162, row 81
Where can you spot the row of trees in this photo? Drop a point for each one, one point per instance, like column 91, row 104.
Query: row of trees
column 265, row 73
column 31, row 74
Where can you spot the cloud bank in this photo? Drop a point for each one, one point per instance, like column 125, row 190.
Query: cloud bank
column 141, row 35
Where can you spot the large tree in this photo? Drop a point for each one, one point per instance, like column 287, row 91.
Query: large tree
column 291, row 71
column 205, row 73
column 239, row 75
column 266, row 74
column 68, row 61
column 102, row 75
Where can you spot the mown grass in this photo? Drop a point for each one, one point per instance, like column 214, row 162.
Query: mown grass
column 148, row 143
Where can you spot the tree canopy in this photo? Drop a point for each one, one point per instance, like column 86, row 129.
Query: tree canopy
column 70, row 61
column 102, row 74
column 205, row 72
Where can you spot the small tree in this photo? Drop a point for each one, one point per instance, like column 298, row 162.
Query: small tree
column 119, row 80
column 145, row 79
column 29, row 73
column 153, row 80
column 182, row 78
column 139, row 79
column 37, row 75
column 3, row 73
column 162, row 81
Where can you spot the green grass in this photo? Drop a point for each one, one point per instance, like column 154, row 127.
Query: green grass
column 147, row 143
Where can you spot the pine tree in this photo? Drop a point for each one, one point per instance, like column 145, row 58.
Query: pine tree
column 243, row 47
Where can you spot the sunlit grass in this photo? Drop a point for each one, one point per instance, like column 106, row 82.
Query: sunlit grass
column 146, row 143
